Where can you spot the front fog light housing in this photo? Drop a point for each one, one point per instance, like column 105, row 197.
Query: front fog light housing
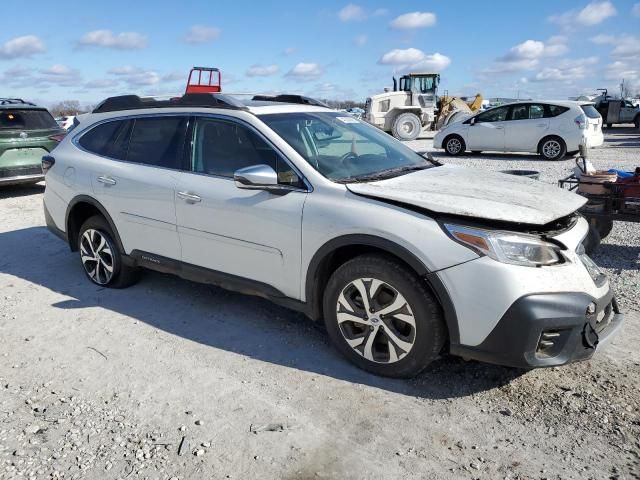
column 508, row 247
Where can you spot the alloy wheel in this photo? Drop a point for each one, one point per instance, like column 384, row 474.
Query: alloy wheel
column 96, row 256
column 551, row 148
column 454, row 146
column 376, row 320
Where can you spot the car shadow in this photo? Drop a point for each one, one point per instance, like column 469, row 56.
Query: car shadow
column 15, row 191
column 499, row 157
column 230, row 321
column 617, row 257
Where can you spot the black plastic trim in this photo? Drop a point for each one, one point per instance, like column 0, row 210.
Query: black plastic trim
column 324, row 253
column 52, row 227
column 213, row 277
column 103, row 211
column 514, row 340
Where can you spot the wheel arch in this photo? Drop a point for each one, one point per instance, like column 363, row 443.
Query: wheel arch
column 547, row 137
column 80, row 208
column 341, row 249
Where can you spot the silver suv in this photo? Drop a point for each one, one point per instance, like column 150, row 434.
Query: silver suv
column 284, row 198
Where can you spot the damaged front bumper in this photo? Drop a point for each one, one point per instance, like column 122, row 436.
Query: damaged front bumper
column 545, row 330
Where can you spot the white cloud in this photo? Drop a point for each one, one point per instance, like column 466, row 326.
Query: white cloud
column 21, row 47
column 289, row 51
column 125, row 70
column 635, row 10
column 380, row 12
column 262, row 70
column 202, row 34
column 58, row 74
column 352, row 13
column 414, row 20
column 402, row 56
column 306, row 71
column 625, row 46
column 527, row 55
column 109, row 39
column 360, row 40
column 593, row 14
column 566, row 70
column 412, row 59
column 58, row 70
column 101, row 83
column 174, row 77
column 136, row 76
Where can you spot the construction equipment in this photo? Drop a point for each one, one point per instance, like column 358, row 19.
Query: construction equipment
column 204, row 80
column 414, row 106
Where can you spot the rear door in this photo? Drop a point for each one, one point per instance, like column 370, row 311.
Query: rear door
column 137, row 183
column 526, row 126
column 487, row 131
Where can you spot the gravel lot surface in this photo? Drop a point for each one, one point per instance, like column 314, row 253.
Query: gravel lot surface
column 175, row 380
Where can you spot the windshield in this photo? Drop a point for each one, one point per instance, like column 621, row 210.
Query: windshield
column 343, row 148
column 26, row 120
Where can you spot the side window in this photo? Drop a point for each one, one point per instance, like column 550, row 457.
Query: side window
column 554, row 110
column 494, row 115
column 520, row 112
column 109, row 139
column 536, row 111
column 221, row 147
column 158, row 141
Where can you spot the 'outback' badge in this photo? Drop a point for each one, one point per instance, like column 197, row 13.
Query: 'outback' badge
column 23, row 135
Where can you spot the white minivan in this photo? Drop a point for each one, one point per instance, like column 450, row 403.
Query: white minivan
column 551, row 129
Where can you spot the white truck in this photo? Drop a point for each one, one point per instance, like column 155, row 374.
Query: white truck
column 617, row 110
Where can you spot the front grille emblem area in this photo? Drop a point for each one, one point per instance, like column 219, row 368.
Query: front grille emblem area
column 23, row 135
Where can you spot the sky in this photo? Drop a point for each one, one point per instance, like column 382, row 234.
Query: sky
column 90, row 50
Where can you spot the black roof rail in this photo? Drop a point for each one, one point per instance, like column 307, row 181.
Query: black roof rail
column 290, row 98
column 134, row 102
column 14, row 101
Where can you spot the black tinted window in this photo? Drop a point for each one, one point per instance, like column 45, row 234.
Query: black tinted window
column 520, row 112
column 554, row 110
column 26, row 120
column 109, row 139
column 221, row 147
column 158, row 141
column 494, row 115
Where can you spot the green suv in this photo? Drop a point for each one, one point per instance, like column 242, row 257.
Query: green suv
column 27, row 132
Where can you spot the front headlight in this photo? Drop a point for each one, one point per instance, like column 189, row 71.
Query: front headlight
column 508, row 247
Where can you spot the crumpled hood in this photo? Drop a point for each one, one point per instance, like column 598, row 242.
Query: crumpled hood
column 476, row 193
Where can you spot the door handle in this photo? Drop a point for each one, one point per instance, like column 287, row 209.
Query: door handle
column 541, row 125
column 499, row 128
column 106, row 180
column 189, row 197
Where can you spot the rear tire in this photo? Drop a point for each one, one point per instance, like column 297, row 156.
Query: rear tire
column 101, row 260
column 406, row 126
column 602, row 225
column 609, row 125
column 592, row 240
column 637, row 122
column 552, row 148
column 400, row 332
column 454, row 145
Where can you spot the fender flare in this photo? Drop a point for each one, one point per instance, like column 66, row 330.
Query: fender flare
column 103, row 211
column 314, row 272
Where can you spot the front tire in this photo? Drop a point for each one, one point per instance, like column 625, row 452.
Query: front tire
column 382, row 317
column 101, row 259
column 552, row 148
column 454, row 145
column 406, row 126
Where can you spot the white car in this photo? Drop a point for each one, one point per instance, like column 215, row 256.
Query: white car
column 551, row 129
column 65, row 122
column 323, row 213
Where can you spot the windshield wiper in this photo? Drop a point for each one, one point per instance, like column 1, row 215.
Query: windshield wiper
column 384, row 174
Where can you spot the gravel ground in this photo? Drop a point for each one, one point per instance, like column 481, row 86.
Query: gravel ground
column 175, row 380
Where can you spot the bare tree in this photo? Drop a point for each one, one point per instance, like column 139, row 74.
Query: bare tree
column 66, row 108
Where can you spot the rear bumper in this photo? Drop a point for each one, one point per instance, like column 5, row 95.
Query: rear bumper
column 546, row 330
column 17, row 175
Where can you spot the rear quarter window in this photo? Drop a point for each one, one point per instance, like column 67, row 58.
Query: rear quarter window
column 590, row 111
column 554, row 110
column 26, row 120
column 108, row 140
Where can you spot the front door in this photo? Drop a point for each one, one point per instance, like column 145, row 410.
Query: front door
column 252, row 234
column 487, row 132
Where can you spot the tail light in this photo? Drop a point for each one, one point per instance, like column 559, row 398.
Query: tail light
column 57, row 138
column 581, row 121
column 47, row 163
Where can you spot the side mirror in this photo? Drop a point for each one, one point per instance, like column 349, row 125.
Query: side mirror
column 472, row 121
column 256, row 177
